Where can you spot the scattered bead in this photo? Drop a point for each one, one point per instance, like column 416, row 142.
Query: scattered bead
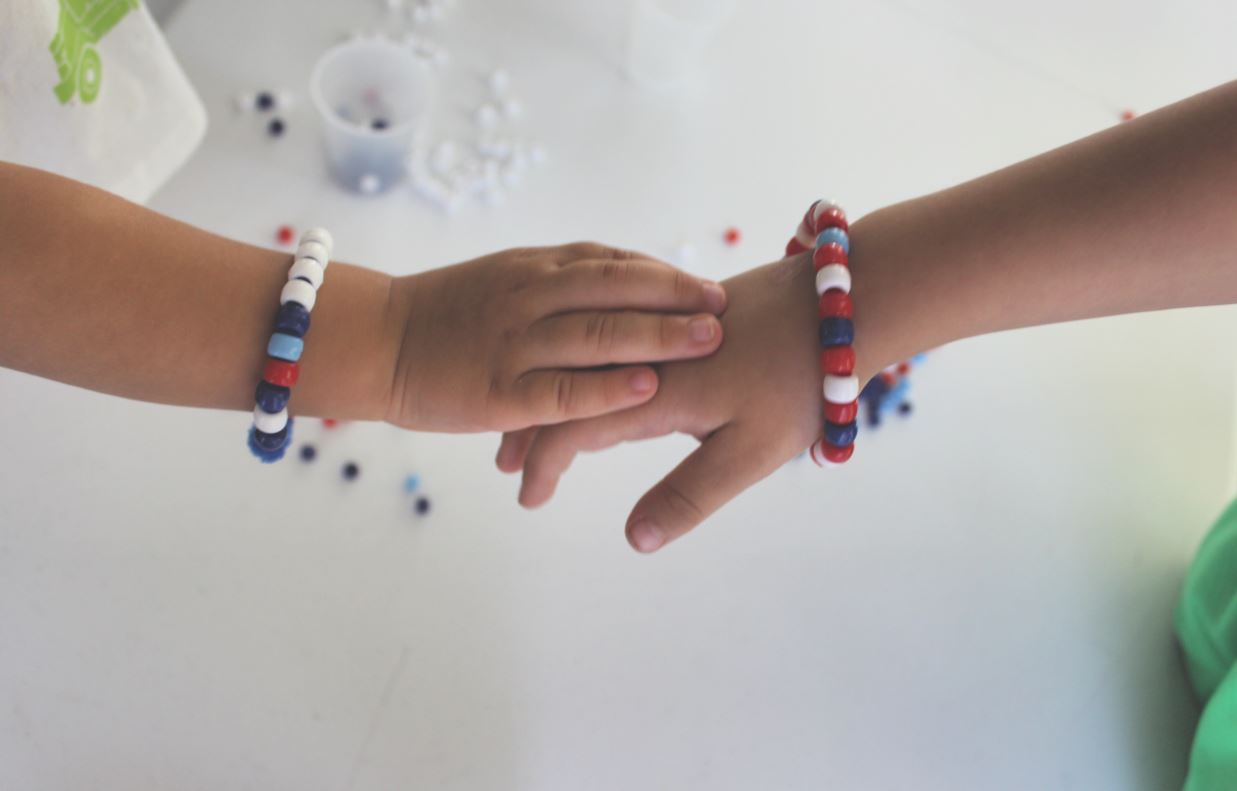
column 487, row 116
column 351, row 471
column 308, row 453
column 264, row 101
column 422, row 506
column 500, row 80
column 276, row 127
column 411, row 483
column 378, row 124
column 285, row 234
column 903, row 369
column 329, row 422
column 732, row 236
column 904, row 408
column 1128, row 115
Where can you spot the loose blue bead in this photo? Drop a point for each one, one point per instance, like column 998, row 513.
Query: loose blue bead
column 351, row 471
column 896, row 395
column 411, row 483
column 836, row 331
column 904, row 408
column 833, row 236
column 292, row 319
column 841, row 435
column 271, row 398
column 423, row 506
column 283, row 346
column 308, row 453
column 874, row 389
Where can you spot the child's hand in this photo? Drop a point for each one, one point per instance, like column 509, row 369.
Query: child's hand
column 520, row 338
column 755, row 404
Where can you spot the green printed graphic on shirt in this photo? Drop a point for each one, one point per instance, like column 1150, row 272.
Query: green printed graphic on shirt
column 83, row 23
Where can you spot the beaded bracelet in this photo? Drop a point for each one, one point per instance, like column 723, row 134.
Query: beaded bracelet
column 825, row 231
column 271, row 433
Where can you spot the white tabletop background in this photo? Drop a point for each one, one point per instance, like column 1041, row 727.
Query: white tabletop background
column 981, row 600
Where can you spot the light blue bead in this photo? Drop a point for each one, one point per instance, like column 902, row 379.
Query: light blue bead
column 285, row 347
column 894, row 398
column 834, row 236
column 411, row 483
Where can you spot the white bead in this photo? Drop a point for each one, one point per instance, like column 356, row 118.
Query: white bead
column 841, row 389
column 444, row 157
column 298, row 291
column 308, row 269
column 500, row 80
column 538, row 155
column 314, row 250
column 487, row 116
column 832, row 276
column 244, row 101
column 805, row 236
column 512, row 108
column 323, row 237
column 823, row 206
column 268, row 423
column 369, row 184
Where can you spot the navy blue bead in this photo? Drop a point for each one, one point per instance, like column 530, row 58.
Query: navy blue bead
column 875, row 389
column 423, row 506
column 351, row 471
column 904, row 408
column 272, row 398
column 265, row 100
column 841, row 435
column 378, row 124
column 275, row 127
column 836, row 331
column 292, row 319
column 270, row 447
column 308, row 453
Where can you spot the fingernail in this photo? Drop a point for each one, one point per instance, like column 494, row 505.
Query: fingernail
column 715, row 295
column 702, row 329
column 646, row 536
column 642, row 381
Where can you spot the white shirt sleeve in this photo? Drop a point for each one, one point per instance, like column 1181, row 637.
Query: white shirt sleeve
column 89, row 89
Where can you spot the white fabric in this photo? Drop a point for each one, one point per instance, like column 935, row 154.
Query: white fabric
column 126, row 116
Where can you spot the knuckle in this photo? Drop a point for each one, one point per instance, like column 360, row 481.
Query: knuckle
column 684, row 284
column 600, row 332
column 686, row 510
column 564, row 393
column 614, row 270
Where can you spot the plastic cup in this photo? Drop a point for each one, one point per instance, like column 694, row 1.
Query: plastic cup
column 669, row 37
column 373, row 96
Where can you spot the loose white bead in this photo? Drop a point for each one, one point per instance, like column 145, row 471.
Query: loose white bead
column 841, row 389
column 512, row 108
column 314, row 250
column 832, row 276
column 298, row 291
column 323, row 237
column 487, row 116
column 500, row 80
column 268, row 423
column 310, row 270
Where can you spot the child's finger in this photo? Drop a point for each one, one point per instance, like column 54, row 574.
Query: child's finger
column 640, row 283
column 730, row 460
column 555, row 447
column 514, row 448
column 554, row 396
column 582, row 340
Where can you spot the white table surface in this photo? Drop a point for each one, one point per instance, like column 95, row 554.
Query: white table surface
column 981, row 600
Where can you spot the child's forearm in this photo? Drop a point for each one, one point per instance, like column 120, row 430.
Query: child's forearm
column 1139, row 217
column 101, row 293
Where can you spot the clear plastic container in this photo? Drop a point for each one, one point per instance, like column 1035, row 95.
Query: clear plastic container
column 668, row 38
column 374, row 97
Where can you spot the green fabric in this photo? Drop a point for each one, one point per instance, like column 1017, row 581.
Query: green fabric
column 1206, row 623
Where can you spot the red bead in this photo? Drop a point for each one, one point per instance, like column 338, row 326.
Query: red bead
column 841, row 413
column 329, row 422
column 904, row 369
column 831, row 218
column 807, row 216
column 280, row 372
column 888, row 378
column 286, row 234
column 831, row 253
column 837, row 360
column 836, row 302
column 732, row 236
column 1127, row 115
column 794, row 247
column 835, row 454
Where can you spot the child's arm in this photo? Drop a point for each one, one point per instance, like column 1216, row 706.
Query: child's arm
column 1139, row 217
column 103, row 294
